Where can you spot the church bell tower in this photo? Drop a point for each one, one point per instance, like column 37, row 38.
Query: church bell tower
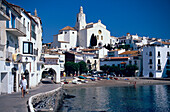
column 81, row 20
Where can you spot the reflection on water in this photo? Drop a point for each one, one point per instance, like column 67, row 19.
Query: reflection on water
column 154, row 98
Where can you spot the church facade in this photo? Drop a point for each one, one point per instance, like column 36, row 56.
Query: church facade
column 80, row 35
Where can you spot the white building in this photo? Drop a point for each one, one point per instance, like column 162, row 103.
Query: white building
column 11, row 29
column 21, row 37
column 156, row 60
column 66, row 39
column 115, row 53
column 52, row 66
column 81, row 34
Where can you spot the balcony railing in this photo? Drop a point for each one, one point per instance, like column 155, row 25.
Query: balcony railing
column 20, row 27
column 3, row 13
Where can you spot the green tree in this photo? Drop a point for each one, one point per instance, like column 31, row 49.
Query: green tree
column 71, row 67
column 114, row 69
column 93, row 41
column 82, row 67
column 105, row 68
column 130, row 70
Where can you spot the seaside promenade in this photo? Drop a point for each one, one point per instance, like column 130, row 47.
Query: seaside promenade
column 14, row 103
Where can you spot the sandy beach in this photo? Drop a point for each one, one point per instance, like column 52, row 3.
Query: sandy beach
column 120, row 82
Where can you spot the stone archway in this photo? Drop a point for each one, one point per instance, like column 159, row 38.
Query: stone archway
column 49, row 73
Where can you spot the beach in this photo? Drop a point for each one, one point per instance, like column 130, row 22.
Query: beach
column 122, row 81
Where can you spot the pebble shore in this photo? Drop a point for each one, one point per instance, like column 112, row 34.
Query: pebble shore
column 120, row 82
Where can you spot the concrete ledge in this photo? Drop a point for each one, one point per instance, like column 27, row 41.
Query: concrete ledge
column 54, row 96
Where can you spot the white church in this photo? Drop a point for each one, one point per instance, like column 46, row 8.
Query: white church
column 80, row 35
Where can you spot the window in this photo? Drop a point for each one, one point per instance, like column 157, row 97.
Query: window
column 150, row 67
column 159, row 54
column 15, row 47
column 101, row 37
column 99, row 31
column 97, row 37
column 24, row 21
column 159, row 61
column 7, row 11
column 33, row 34
column 28, row 25
column 65, row 46
column 13, row 21
column 168, row 54
column 129, row 41
column 150, row 53
column 7, row 44
column 135, row 62
column 159, row 67
column 65, row 32
column 150, row 61
column 168, row 62
column 167, row 67
column 27, row 48
column 72, row 32
column 130, row 62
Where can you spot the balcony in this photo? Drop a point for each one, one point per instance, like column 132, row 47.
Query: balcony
column 18, row 30
column 3, row 14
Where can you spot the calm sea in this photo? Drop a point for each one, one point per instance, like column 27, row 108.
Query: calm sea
column 155, row 98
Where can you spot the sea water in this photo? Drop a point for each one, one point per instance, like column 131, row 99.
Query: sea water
column 155, row 98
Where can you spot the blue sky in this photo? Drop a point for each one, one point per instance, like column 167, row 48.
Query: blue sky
column 144, row 17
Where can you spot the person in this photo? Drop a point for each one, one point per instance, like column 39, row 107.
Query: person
column 23, row 85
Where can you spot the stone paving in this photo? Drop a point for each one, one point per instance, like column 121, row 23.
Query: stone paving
column 15, row 103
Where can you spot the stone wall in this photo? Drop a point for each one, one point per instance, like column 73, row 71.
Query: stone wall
column 48, row 101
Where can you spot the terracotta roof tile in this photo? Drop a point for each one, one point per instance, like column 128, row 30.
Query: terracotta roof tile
column 129, row 52
column 90, row 49
column 89, row 53
column 115, row 50
column 67, row 28
column 116, row 58
column 166, row 43
column 63, row 41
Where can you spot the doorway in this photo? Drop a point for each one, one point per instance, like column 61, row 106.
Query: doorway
column 4, row 83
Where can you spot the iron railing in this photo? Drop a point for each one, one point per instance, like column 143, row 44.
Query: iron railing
column 20, row 27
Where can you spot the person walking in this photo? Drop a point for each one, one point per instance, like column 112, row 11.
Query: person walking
column 23, row 85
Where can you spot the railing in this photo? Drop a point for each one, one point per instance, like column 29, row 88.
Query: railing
column 3, row 9
column 20, row 27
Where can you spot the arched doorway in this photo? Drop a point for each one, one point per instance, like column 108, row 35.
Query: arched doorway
column 49, row 73
column 15, row 78
column 150, row 74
